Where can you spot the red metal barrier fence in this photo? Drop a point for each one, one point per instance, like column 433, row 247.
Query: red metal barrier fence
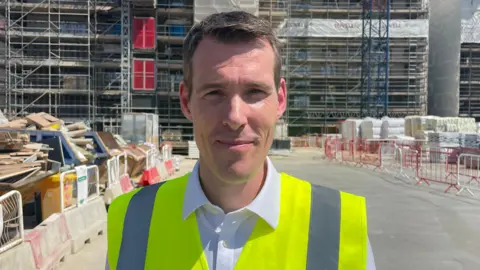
column 306, row 141
column 457, row 168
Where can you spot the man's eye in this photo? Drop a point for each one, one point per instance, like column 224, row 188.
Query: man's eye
column 256, row 91
column 213, row 93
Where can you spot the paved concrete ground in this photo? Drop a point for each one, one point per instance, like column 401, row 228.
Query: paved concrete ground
column 411, row 227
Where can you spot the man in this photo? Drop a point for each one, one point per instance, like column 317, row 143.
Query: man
column 235, row 211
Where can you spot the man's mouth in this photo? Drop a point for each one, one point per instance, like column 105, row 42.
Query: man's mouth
column 236, row 142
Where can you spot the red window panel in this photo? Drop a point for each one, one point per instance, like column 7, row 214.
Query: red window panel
column 150, row 34
column 144, row 74
column 138, row 33
column 144, row 33
column 149, row 75
column 138, row 74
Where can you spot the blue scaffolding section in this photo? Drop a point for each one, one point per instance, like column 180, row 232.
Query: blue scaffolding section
column 375, row 58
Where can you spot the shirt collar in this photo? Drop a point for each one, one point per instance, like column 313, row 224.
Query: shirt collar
column 266, row 205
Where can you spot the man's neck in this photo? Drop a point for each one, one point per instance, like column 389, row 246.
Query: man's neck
column 231, row 197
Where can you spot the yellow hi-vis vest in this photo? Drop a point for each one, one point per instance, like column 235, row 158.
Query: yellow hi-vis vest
column 319, row 228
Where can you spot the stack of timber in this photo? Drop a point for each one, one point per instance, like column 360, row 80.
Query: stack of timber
column 34, row 121
column 73, row 133
column 23, row 163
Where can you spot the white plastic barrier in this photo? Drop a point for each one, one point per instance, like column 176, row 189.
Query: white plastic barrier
column 87, row 185
column 11, row 214
column 388, row 157
column 468, row 173
column 150, row 161
column 166, row 152
column 122, row 171
column 113, row 171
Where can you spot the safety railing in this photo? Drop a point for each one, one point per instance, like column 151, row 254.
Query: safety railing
column 307, row 141
column 437, row 165
column 11, row 223
column 468, row 173
column 415, row 161
column 83, row 183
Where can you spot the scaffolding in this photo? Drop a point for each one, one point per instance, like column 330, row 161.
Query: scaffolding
column 470, row 61
column 80, row 60
column 175, row 18
column 325, row 60
column 48, row 58
column 375, row 58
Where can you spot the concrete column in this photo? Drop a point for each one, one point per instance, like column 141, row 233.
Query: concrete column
column 444, row 57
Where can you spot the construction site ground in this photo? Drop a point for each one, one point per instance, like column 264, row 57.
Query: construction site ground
column 410, row 226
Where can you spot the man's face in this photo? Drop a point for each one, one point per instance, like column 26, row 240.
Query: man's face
column 234, row 106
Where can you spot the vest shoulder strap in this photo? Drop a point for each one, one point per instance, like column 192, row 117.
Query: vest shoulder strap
column 128, row 221
column 338, row 233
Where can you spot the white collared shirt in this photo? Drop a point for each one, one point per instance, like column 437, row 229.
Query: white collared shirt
column 224, row 235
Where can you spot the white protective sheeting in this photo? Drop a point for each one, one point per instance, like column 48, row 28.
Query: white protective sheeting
column 370, row 128
column 470, row 21
column 204, row 8
column 392, row 127
column 348, row 28
column 350, row 128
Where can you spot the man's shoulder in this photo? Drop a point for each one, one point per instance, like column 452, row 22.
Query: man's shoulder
column 123, row 200
column 316, row 187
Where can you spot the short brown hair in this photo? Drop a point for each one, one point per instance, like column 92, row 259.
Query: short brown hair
column 229, row 27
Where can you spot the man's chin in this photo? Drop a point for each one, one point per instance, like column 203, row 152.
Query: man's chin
column 239, row 171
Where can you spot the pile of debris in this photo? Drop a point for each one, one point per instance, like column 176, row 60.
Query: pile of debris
column 73, row 133
column 40, row 121
column 75, row 136
column 19, row 158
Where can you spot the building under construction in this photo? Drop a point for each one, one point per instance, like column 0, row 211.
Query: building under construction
column 470, row 60
column 325, row 61
column 95, row 59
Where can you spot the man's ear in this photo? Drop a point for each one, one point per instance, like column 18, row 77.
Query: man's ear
column 184, row 100
column 282, row 98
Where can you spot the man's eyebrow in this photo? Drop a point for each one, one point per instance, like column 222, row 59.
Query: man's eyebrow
column 223, row 85
column 215, row 85
column 258, row 85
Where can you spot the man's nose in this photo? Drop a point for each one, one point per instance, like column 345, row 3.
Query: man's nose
column 236, row 113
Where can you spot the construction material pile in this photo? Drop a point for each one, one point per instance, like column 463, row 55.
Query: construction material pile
column 74, row 133
column 392, row 128
column 19, row 158
column 350, row 128
column 454, row 139
column 471, row 140
column 370, row 128
column 420, row 126
column 193, row 152
column 445, row 139
column 75, row 136
column 34, row 121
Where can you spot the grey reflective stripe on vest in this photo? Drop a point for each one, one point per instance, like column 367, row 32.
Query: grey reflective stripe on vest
column 323, row 239
column 136, row 228
column 324, row 231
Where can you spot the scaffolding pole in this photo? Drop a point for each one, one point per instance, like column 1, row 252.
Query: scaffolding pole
column 375, row 58
column 126, row 57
